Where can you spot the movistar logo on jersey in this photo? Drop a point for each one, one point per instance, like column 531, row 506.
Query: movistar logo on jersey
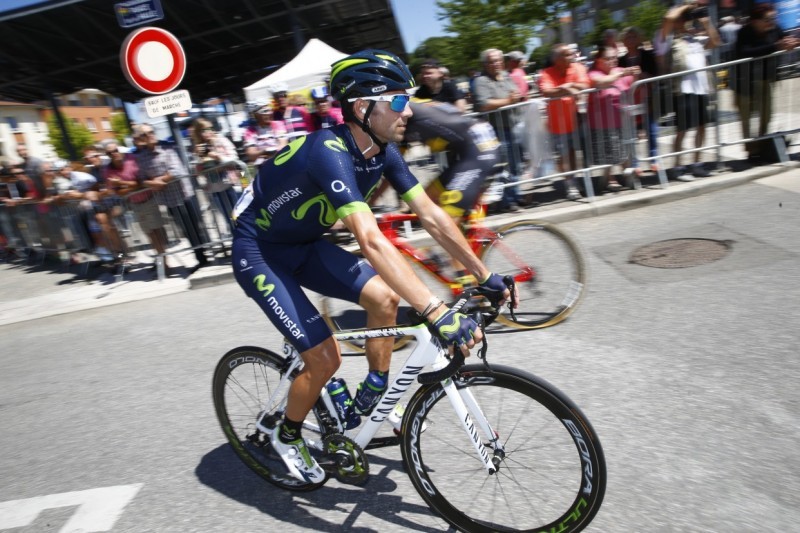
column 287, row 153
column 283, row 198
column 336, row 144
column 265, row 220
column 261, row 284
column 327, row 214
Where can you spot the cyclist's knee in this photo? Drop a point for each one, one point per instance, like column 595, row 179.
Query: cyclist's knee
column 379, row 300
column 323, row 359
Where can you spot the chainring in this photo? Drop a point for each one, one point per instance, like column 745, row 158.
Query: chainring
column 345, row 460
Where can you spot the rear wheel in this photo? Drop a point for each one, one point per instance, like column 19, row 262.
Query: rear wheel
column 550, row 470
column 548, row 268
column 248, row 393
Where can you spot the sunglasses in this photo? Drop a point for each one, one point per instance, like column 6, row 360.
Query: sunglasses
column 397, row 102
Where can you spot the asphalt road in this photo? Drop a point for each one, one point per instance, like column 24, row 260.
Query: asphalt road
column 689, row 376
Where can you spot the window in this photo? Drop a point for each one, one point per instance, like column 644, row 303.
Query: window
column 73, row 100
column 105, row 124
column 90, row 124
column 93, row 101
column 12, row 122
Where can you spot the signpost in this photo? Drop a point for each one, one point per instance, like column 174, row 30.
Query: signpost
column 165, row 104
column 137, row 12
column 153, row 60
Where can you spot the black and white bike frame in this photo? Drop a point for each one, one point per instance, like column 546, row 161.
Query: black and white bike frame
column 428, row 353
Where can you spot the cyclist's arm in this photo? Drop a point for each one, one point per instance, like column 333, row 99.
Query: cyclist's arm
column 389, row 263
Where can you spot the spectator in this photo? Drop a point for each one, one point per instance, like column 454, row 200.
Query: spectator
column 605, row 113
column 560, row 83
column 216, row 156
column 728, row 31
column 324, row 115
column 83, row 188
column 760, row 37
column 611, row 40
column 93, row 162
column 494, row 89
column 296, row 118
column 33, row 168
column 683, row 41
column 434, row 86
column 122, row 175
column 644, row 58
column 266, row 134
column 161, row 170
column 515, row 65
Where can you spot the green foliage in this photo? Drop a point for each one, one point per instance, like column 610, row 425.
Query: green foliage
column 119, row 125
column 646, row 16
column 79, row 136
column 480, row 24
column 604, row 22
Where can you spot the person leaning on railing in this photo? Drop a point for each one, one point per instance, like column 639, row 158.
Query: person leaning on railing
column 216, row 157
column 760, row 37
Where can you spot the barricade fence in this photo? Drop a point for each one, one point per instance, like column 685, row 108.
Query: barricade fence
column 599, row 131
column 652, row 125
column 113, row 227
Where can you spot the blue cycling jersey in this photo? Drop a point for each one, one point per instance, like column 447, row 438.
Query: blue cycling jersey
column 313, row 182
column 297, row 196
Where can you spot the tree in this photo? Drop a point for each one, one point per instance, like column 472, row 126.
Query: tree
column 647, row 16
column 481, row 24
column 602, row 23
column 79, row 136
column 120, row 128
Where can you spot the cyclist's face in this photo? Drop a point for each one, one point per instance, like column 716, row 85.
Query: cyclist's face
column 387, row 125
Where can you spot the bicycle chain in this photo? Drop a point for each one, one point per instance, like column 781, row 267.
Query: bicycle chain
column 344, row 459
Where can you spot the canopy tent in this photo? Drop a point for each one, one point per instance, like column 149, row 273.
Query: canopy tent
column 311, row 66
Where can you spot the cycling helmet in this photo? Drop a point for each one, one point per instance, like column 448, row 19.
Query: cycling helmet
column 320, row 92
column 369, row 73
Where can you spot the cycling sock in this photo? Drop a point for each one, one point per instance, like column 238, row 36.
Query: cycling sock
column 290, row 430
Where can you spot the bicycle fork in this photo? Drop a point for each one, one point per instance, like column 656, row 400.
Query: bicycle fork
column 474, row 423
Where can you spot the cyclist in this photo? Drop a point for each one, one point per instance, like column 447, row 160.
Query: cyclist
column 279, row 247
column 325, row 115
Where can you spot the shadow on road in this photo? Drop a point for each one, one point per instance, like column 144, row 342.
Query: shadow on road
column 221, row 470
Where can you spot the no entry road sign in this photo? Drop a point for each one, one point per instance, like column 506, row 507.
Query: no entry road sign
column 153, row 60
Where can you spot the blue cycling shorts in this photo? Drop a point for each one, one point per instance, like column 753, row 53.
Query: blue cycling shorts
column 273, row 276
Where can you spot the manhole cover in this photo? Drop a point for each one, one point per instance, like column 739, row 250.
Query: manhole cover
column 680, row 253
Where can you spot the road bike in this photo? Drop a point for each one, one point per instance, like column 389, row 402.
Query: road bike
column 546, row 263
column 487, row 446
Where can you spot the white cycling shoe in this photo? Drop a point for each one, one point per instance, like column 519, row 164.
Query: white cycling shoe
column 297, row 458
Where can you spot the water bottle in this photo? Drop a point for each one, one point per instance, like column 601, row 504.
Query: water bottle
column 370, row 391
column 337, row 389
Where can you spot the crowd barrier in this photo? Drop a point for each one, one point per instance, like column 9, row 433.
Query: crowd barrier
column 643, row 121
column 638, row 129
column 124, row 224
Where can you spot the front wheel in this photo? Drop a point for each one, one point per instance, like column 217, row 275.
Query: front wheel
column 551, row 472
column 547, row 266
column 250, row 392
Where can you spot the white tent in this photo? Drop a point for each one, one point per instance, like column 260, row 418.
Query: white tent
column 308, row 68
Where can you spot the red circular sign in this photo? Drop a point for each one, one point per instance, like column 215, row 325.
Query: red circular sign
column 153, row 60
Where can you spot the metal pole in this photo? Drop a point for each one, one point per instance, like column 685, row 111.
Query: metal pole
column 179, row 146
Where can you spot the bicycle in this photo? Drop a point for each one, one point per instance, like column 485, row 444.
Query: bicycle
column 525, row 458
column 544, row 261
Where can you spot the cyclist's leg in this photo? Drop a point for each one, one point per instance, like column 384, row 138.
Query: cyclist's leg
column 265, row 272
column 339, row 274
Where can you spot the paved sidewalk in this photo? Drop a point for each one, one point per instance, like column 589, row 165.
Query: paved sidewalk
column 31, row 291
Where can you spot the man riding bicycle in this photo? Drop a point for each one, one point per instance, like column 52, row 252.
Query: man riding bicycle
column 298, row 195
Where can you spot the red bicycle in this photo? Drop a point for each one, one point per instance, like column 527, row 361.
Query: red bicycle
column 546, row 264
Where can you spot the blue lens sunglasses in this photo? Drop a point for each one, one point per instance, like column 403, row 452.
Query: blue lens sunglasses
column 397, row 102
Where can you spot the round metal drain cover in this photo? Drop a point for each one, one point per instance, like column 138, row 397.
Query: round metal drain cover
column 680, row 253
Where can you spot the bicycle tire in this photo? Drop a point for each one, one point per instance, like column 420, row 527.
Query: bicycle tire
column 556, row 283
column 242, row 382
column 553, row 475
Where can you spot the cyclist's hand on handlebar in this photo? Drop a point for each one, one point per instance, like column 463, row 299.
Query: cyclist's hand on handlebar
column 457, row 329
column 494, row 284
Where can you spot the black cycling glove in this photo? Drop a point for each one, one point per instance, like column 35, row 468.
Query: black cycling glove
column 494, row 283
column 455, row 328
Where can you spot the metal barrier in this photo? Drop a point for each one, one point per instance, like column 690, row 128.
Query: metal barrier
column 649, row 106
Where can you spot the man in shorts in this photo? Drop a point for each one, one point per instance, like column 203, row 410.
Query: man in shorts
column 298, row 195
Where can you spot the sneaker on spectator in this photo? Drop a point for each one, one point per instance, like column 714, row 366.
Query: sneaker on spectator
column 699, row 171
column 104, row 254
column 297, row 458
column 573, row 193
